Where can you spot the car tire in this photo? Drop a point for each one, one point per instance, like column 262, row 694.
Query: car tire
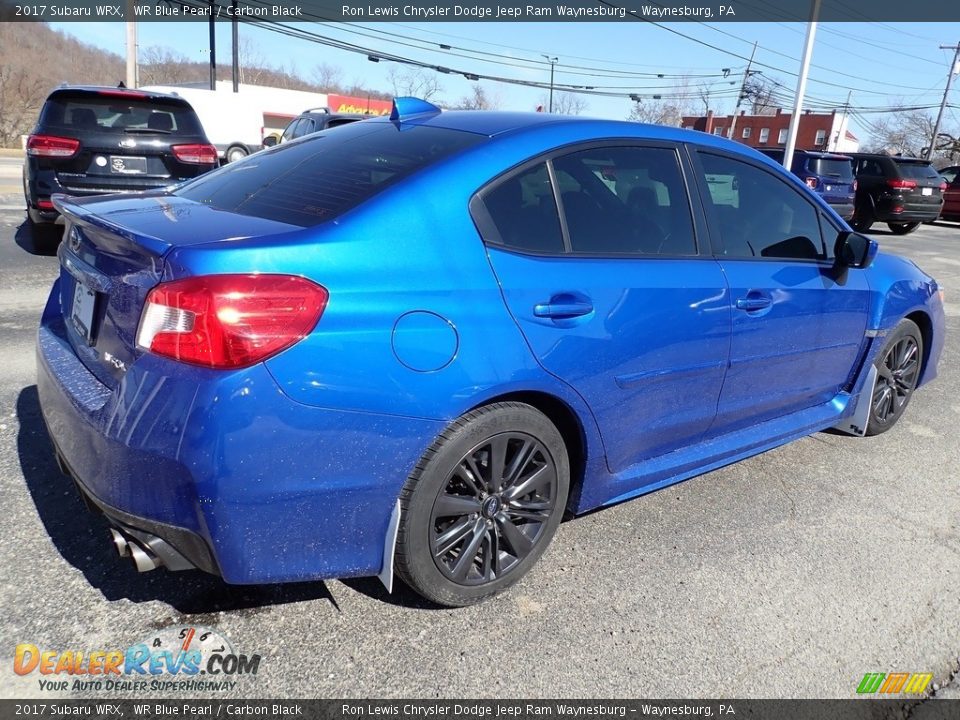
column 468, row 530
column 898, row 370
column 862, row 220
column 235, row 153
column 903, row 228
column 44, row 236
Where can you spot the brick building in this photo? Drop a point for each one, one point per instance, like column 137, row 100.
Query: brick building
column 817, row 131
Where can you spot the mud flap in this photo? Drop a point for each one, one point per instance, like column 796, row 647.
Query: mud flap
column 389, row 544
column 856, row 424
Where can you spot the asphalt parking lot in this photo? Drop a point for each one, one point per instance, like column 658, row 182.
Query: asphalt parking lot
column 788, row 575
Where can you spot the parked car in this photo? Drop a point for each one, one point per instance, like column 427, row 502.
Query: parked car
column 830, row 175
column 312, row 121
column 951, row 194
column 409, row 345
column 900, row 191
column 96, row 140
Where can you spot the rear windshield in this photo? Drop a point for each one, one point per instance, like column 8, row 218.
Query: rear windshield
column 832, row 167
column 916, row 170
column 86, row 112
column 309, row 181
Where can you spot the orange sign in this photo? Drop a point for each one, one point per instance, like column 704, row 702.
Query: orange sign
column 358, row 105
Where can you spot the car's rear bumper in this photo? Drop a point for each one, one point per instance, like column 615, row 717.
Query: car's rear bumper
column 897, row 211
column 844, row 210
column 42, row 184
column 225, row 464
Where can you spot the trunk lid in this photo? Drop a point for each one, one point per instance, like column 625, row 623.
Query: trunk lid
column 112, row 255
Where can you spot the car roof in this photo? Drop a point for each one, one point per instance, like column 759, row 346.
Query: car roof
column 496, row 123
column 116, row 92
column 884, row 156
column 332, row 116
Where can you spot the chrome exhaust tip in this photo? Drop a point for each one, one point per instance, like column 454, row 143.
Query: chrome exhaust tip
column 120, row 543
column 144, row 561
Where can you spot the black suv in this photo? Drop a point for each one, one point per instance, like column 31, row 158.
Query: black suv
column 900, row 191
column 95, row 140
column 311, row 121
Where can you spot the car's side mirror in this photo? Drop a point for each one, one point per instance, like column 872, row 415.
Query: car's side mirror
column 855, row 250
column 269, row 141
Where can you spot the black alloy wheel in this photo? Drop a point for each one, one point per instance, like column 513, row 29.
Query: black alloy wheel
column 898, row 371
column 902, row 228
column 494, row 508
column 483, row 504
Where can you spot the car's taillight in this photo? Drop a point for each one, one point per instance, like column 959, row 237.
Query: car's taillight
column 811, row 182
column 45, row 204
column 195, row 153
column 943, row 186
column 902, row 184
column 854, row 185
column 52, row 146
column 229, row 321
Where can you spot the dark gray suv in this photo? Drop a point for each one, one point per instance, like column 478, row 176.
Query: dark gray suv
column 312, row 121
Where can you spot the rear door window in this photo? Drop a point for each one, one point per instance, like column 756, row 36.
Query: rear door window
column 524, row 213
column 317, row 179
column 104, row 113
column 625, row 200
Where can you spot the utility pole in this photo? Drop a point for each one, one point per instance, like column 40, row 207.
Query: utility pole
column 553, row 64
column 801, row 86
column 743, row 87
column 131, row 47
column 213, row 46
column 236, row 49
column 954, row 68
column 843, row 123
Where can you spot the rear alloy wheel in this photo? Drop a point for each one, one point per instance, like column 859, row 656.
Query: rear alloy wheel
column 483, row 504
column 861, row 221
column 902, row 228
column 898, row 371
column 235, row 153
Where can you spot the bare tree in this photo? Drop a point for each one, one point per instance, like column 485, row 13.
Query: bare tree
column 415, row 82
column 672, row 106
column 658, row 112
column 479, row 99
column 252, row 61
column 908, row 132
column 329, row 78
column 20, row 100
column 703, row 94
column 565, row 103
column 760, row 92
column 163, row 66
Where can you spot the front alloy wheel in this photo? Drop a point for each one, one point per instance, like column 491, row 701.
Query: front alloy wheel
column 898, row 371
column 482, row 505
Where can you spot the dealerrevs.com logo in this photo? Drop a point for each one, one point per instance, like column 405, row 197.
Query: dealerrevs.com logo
column 174, row 659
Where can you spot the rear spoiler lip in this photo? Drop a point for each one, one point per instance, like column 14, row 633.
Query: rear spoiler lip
column 67, row 206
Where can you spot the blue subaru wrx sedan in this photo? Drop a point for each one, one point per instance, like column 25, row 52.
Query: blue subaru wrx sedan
column 410, row 344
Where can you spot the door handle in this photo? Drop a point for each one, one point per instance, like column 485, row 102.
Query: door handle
column 754, row 302
column 561, row 310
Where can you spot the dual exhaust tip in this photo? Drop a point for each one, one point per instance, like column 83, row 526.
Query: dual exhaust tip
column 127, row 546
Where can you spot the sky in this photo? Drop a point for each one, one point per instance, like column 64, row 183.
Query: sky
column 881, row 65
